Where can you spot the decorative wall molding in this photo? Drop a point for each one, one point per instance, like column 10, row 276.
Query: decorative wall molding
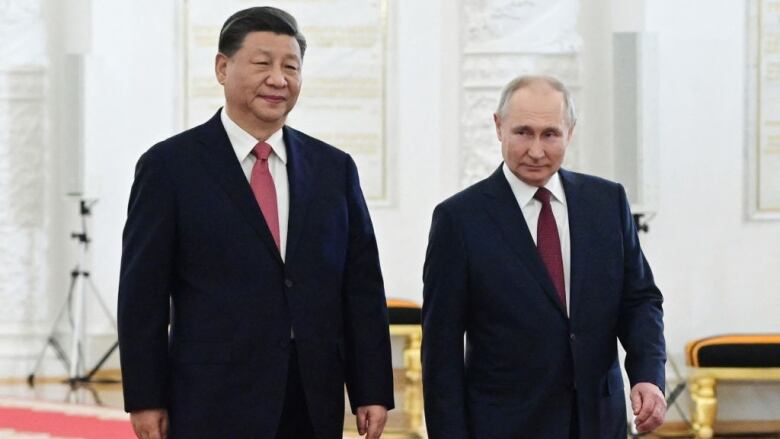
column 504, row 39
column 23, row 162
column 762, row 131
column 517, row 26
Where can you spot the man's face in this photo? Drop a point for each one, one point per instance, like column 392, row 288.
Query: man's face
column 534, row 133
column 262, row 79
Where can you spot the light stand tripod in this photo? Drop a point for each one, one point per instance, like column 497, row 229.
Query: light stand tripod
column 75, row 307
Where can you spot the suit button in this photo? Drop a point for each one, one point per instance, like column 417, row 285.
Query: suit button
column 572, row 337
column 288, row 283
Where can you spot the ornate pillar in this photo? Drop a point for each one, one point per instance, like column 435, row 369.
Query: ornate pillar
column 503, row 39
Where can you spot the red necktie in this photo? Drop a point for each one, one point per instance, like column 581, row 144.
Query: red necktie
column 263, row 187
column 548, row 243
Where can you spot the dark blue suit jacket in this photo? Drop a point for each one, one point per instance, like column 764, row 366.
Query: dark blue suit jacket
column 195, row 239
column 525, row 360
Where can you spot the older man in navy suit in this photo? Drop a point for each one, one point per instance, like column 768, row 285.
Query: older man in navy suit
column 541, row 269
column 254, row 242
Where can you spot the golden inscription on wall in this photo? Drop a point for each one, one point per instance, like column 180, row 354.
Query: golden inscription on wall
column 343, row 96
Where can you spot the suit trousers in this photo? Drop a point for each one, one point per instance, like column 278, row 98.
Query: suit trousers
column 295, row 422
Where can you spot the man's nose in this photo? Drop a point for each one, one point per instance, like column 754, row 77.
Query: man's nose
column 276, row 78
column 536, row 151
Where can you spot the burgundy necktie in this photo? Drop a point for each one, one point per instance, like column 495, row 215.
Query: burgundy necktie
column 548, row 243
column 263, row 187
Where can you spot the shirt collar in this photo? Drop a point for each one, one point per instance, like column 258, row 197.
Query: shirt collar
column 243, row 142
column 524, row 192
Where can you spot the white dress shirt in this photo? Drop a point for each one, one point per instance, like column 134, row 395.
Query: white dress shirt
column 531, row 207
column 243, row 144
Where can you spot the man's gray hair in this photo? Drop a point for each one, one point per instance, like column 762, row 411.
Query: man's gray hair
column 528, row 80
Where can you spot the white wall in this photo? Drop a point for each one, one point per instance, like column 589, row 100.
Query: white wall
column 717, row 270
column 418, row 125
column 131, row 103
column 594, row 118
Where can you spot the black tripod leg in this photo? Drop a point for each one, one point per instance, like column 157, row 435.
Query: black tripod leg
column 51, row 340
column 99, row 364
column 59, row 351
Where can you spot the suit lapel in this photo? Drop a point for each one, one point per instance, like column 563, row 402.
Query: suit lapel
column 219, row 159
column 578, row 237
column 506, row 213
column 300, row 175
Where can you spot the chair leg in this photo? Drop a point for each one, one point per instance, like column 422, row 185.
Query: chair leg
column 413, row 401
column 705, row 406
column 412, row 362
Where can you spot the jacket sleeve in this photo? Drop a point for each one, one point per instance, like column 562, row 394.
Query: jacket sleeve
column 445, row 278
column 144, row 286
column 369, row 369
column 640, row 324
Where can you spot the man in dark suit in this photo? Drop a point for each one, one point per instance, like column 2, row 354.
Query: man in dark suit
column 254, row 241
column 542, row 271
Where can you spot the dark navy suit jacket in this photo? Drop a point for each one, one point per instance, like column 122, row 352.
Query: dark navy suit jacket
column 525, row 360
column 196, row 251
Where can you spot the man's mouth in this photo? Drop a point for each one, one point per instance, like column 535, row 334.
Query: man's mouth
column 272, row 98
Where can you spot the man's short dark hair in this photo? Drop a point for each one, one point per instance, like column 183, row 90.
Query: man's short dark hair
column 257, row 19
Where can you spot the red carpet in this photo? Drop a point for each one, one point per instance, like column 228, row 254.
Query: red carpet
column 37, row 419
column 20, row 418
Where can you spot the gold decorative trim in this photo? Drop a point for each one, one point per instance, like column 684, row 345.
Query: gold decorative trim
column 737, row 373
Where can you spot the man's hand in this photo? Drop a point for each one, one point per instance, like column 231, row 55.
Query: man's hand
column 150, row 424
column 371, row 419
column 649, row 406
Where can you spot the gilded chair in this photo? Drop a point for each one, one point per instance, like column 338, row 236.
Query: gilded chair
column 735, row 357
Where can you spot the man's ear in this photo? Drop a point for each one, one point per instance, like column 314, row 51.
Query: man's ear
column 571, row 130
column 497, row 121
column 220, row 67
